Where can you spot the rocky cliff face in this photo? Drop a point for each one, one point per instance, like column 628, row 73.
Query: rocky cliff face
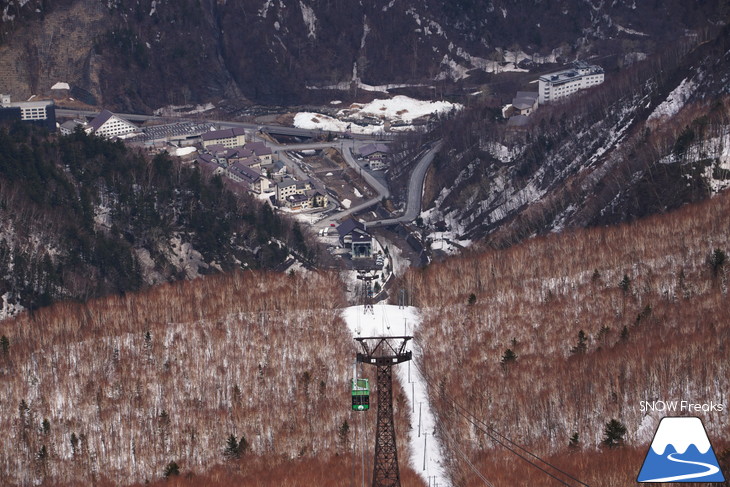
column 143, row 54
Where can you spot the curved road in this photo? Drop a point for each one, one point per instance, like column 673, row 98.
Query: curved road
column 415, row 191
column 415, row 185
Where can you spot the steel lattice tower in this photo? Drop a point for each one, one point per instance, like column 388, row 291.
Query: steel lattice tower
column 381, row 352
column 366, row 292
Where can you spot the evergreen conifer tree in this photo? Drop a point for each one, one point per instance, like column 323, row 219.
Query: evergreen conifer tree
column 614, row 433
column 582, row 346
column 232, row 448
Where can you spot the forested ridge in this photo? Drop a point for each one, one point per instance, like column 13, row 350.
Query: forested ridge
column 83, row 217
column 555, row 342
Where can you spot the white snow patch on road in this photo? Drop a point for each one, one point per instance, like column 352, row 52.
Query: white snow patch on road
column 390, row 320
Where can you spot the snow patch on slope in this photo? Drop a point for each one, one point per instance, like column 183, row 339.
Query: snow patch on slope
column 399, row 108
column 264, row 10
column 389, row 320
column 675, row 101
column 310, row 20
column 8, row 309
column 629, row 31
column 318, row 121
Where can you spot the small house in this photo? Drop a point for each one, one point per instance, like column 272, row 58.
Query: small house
column 355, row 237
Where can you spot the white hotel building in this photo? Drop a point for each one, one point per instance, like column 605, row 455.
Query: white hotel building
column 30, row 110
column 554, row 86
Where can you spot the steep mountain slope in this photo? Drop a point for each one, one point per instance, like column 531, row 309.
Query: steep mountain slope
column 115, row 390
column 111, row 392
column 651, row 138
column 82, row 217
column 143, row 54
column 596, row 321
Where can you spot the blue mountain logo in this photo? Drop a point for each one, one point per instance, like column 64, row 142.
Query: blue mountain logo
column 680, row 452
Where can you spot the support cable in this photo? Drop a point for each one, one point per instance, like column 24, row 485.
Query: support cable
column 495, row 436
column 466, row 459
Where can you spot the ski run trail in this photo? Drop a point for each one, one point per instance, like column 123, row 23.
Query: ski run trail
column 425, row 446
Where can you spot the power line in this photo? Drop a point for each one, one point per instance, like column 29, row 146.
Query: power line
column 495, row 436
column 466, row 459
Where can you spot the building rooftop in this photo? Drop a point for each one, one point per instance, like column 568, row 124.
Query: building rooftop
column 350, row 225
column 245, row 173
column 100, row 120
column 224, row 134
column 370, row 149
column 259, row 148
column 292, row 182
column 566, row 75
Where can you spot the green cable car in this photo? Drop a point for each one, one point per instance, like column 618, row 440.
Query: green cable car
column 360, row 395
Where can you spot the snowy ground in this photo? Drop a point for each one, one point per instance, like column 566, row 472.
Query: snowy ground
column 401, row 109
column 8, row 310
column 675, row 101
column 445, row 241
column 184, row 151
column 398, row 109
column 318, row 121
column 389, row 320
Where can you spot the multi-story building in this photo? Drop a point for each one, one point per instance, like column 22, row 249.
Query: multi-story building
column 355, row 237
column 376, row 154
column 300, row 195
column 291, row 187
column 234, row 137
column 106, row 124
column 41, row 111
column 560, row 84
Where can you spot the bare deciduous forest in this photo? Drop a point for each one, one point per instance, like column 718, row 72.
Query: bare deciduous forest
column 120, row 387
column 596, row 321
column 123, row 388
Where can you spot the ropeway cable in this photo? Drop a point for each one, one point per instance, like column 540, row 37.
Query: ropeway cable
column 466, row 460
column 491, row 432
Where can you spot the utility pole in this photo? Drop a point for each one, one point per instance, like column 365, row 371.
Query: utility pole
column 384, row 353
column 419, row 418
column 425, row 439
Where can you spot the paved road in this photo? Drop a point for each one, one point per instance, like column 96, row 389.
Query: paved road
column 415, row 185
column 415, row 190
column 272, row 129
column 415, row 193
